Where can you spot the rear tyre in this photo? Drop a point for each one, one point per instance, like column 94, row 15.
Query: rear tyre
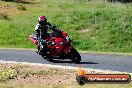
column 75, row 56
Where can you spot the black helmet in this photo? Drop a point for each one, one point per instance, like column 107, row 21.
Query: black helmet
column 42, row 20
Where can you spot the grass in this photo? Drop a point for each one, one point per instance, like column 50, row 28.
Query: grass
column 110, row 53
column 93, row 25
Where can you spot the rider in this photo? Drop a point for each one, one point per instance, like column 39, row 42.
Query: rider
column 41, row 30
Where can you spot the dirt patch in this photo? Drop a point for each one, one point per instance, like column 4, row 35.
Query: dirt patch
column 85, row 30
column 40, row 74
column 7, row 7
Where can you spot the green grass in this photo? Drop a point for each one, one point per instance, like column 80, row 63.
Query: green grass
column 93, row 25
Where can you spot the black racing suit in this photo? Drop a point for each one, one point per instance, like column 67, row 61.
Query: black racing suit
column 41, row 33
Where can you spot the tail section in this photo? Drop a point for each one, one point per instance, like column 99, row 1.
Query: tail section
column 33, row 39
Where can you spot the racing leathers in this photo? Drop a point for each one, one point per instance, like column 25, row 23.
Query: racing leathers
column 41, row 34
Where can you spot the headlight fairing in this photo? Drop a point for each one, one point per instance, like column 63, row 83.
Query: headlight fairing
column 67, row 38
column 62, row 43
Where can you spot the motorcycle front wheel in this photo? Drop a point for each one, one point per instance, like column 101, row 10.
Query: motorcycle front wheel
column 47, row 56
column 74, row 56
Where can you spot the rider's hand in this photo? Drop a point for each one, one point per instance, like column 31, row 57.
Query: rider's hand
column 42, row 41
column 54, row 27
column 51, row 42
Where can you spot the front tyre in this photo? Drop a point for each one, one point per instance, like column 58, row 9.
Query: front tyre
column 49, row 58
column 75, row 56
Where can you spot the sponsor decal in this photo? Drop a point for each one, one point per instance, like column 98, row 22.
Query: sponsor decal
column 82, row 77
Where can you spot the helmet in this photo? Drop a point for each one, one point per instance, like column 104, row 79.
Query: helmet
column 42, row 20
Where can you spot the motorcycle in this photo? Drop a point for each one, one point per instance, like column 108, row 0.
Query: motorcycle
column 57, row 47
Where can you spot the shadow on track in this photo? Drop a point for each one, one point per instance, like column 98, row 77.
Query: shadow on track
column 70, row 62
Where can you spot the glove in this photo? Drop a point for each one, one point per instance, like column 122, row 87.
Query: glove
column 42, row 41
column 54, row 27
column 51, row 42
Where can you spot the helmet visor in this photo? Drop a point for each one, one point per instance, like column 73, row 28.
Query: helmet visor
column 43, row 23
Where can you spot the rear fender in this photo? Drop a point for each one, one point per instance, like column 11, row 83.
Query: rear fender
column 33, row 40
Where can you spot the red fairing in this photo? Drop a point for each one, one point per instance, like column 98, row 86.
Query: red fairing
column 33, row 40
column 67, row 49
column 64, row 34
column 60, row 44
column 57, row 47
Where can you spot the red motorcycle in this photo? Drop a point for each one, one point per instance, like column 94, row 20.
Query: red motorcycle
column 57, row 47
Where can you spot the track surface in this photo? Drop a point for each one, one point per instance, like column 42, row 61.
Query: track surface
column 95, row 61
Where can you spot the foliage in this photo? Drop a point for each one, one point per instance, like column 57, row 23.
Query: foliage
column 21, row 7
column 4, row 16
column 94, row 25
column 6, row 74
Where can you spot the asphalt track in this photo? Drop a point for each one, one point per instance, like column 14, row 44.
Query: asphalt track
column 121, row 63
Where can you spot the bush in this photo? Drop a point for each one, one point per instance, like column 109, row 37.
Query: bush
column 21, row 7
column 6, row 74
column 4, row 16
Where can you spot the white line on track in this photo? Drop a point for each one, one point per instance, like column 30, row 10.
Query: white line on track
column 62, row 67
